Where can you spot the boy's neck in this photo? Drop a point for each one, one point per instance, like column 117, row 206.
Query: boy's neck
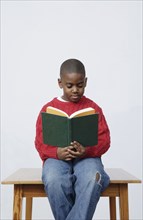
column 63, row 100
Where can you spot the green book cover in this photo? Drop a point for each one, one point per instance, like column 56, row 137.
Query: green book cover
column 61, row 130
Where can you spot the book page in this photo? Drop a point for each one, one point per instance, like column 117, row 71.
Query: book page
column 56, row 111
column 83, row 112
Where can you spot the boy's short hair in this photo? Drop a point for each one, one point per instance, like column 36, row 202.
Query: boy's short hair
column 72, row 66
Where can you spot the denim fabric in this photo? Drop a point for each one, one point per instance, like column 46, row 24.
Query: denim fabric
column 74, row 187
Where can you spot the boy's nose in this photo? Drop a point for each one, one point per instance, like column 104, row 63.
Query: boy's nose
column 75, row 89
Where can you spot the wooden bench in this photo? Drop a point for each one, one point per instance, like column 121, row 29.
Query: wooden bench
column 27, row 183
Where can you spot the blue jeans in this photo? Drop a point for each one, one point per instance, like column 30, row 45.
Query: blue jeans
column 74, row 187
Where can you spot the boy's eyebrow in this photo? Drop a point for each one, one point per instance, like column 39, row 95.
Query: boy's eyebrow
column 77, row 83
column 81, row 82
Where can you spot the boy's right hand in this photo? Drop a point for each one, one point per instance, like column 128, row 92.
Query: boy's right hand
column 63, row 154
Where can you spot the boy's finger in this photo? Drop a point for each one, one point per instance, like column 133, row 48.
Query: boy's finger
column 77, row 143
column 69, row 158
column 74, row 153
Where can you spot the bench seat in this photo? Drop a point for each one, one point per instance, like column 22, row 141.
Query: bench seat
column 27, row 183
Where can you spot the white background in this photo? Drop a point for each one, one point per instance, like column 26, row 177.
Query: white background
column 37, row 36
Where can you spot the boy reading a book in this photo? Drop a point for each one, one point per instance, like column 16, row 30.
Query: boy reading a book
column 73, row 176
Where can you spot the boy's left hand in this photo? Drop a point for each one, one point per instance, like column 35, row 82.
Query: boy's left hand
column 76, row 150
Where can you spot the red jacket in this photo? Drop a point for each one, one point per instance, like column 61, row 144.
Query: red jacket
column 47, row 151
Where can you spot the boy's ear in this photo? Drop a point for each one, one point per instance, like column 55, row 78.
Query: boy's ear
column 85, row 82
column 60, row 83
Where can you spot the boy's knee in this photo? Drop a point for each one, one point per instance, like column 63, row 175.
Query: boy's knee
column 102, row 179
column 49, row 178
column 53, row 181
column 98, row 177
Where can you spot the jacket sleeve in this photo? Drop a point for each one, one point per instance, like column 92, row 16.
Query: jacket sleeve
column 45, row 151
column 103, row 139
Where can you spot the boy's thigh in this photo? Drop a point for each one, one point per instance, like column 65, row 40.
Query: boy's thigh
column 88, row 164
column 89, row 168
column 54, row 169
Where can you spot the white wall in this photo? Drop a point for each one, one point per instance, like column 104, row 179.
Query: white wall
column 37, row 36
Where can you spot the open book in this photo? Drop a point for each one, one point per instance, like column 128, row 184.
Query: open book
column 60, row 130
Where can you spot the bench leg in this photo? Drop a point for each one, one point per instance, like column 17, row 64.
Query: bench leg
column 28, row 208
column 123, row 201
column 17, row 203
column 112, row 202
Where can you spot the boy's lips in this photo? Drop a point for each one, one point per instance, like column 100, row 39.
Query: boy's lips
column 75, row 97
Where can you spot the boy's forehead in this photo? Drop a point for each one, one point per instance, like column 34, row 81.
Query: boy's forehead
column 72, row 76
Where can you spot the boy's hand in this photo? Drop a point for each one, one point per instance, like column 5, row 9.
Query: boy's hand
column 63, row 153
column 76, row 150
column 68, row 153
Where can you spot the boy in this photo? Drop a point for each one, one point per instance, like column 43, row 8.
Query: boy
column 73, row 176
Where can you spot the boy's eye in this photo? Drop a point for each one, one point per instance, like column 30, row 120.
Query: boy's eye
column 69, row 86
column 80, row 85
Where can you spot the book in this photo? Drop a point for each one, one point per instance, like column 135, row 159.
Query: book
column 60, row 130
